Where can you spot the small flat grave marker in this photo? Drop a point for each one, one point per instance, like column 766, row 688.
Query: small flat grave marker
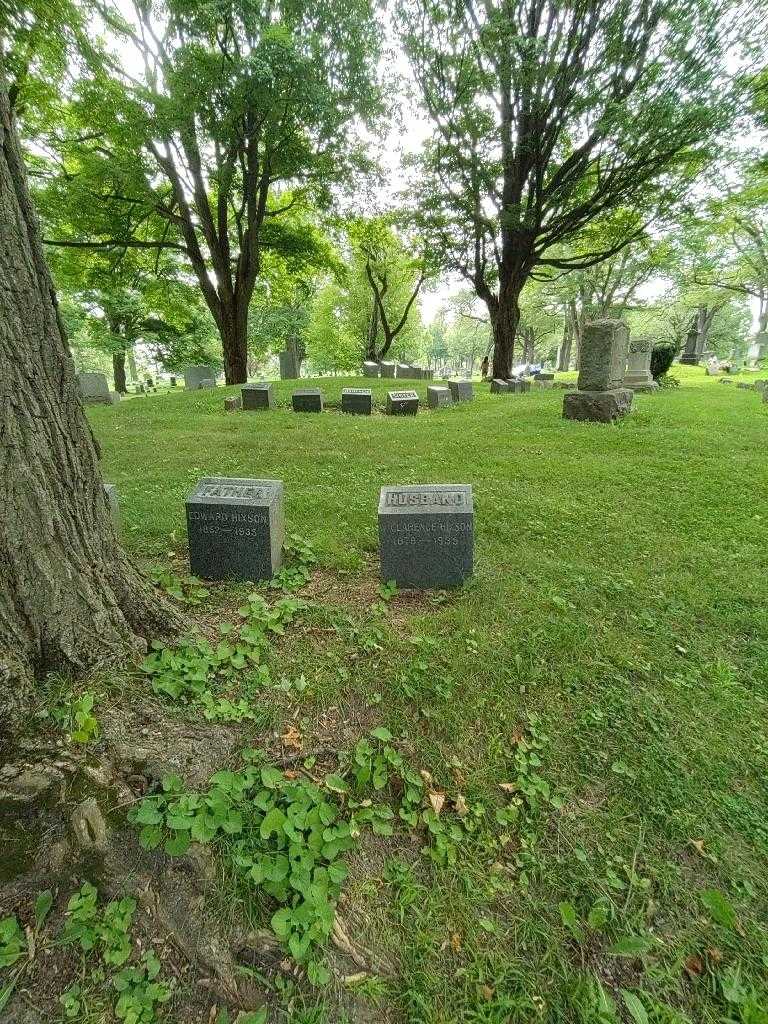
column 500, row 387
column 358, row 401
column 402, row 403
column 438, row 396
column 258, row 396
column 461, row 390
column 426, row 534
column 232, row 404
column 307, row 400
column 388, row 369
column 235, row 528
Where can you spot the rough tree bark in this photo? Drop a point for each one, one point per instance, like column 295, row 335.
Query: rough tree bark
column 69, row 596
column 564, row 353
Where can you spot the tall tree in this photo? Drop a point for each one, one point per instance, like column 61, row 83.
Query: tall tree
column 549, row 114
column 69, row 596
column 241, row 108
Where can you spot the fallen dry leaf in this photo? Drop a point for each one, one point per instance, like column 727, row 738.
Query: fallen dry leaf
column 437, row 800
column 508, row 787
column 693, row 965
column 292, row 738
column 487, row 992
column 461, row 806
column 698, row 844
column 714, row 955
column 455, row 942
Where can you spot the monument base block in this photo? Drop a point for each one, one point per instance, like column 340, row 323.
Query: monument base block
column 598, row 406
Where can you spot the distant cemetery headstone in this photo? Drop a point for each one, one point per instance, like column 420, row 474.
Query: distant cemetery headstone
column 544, row 375
column 461, row 390
column 426, row 534
column 358, row 401
column 601, row 396
column 744, row 386
column 257, row 396
column 232, row 404
column 194, row 374
column 235, row 528
column 289, row 365
column 370, row 368
column 427, row 374
column 173, row 382
column 402, row 403
column 500, row 387
column 691, row 353
column 388, row 369
column 402, row 371
column 150, row 382
column 307, row 400
column 94, row 388
column 638, row 373
column 519, row 385
column 438, row 397
column 202, row 385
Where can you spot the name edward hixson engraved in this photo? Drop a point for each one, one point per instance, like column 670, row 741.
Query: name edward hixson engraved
column 231, row 519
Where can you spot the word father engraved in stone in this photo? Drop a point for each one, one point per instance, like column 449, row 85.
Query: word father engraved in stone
column 235, row 528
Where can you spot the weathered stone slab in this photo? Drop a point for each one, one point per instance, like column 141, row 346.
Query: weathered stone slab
column 501, row 387
column 519, row 385
column 438, row 397
column 94, row 389
column 258, row 396
column 370, row 369
column 194, row 374
column 426, row 534
column 114, row 397
column 461, row 390
column 232, row 404
column 235, row 528
column 203, row 385
column 402, row 403
column 744, row 386
column 173, row 382
column 388, row 369
column 401, row 371
column 307, row 400
column 597, row 406
column 358, row 401
column 638, row 373
column 544, row 375
column 603, row 355
column 542, row 383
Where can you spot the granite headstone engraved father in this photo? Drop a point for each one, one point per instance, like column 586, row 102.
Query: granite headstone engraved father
column 235, row 528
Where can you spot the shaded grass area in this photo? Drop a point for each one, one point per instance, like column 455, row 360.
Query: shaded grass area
column 620, row 595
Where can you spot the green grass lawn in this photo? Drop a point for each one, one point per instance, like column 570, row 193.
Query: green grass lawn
column 596, row 694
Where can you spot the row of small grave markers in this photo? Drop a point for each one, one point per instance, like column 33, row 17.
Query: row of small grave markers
column 357, row 401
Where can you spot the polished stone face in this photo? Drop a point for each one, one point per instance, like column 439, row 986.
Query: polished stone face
column 426, row 534
column 438, row 396
column 402, row 403
column 235, row 528
column 307, row 400
column 94, row 388
column 358, row 401
column 258, row 396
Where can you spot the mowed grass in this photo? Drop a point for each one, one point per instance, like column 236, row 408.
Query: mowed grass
column 618, row 615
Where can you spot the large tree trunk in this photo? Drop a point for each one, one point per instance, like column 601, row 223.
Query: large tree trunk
column 234, row 342
column 69, row 596
column 118, row 370
column 564, row 354
column 505, row 317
